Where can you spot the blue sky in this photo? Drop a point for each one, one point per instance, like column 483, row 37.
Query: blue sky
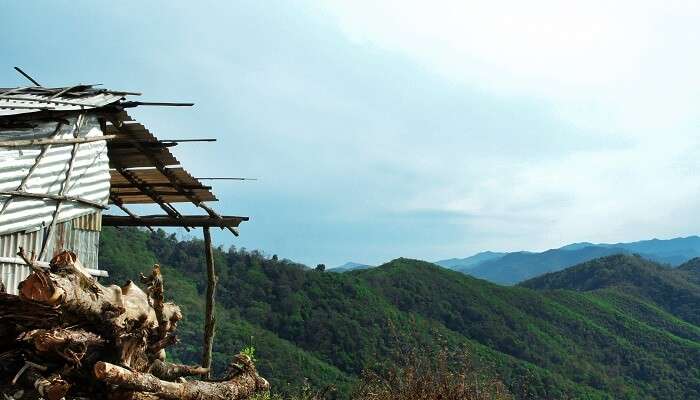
column 387, row 129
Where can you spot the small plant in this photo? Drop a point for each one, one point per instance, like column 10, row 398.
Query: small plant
column 250, row 352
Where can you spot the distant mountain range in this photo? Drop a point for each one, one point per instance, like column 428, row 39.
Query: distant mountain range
column 350, row 266
column 511, row 268
column 464, row 264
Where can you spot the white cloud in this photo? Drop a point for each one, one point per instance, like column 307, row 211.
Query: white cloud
column 626, row 72
column 625, row 64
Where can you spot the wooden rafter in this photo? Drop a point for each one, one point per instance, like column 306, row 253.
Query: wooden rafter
column 169, row 209
column 118, row 124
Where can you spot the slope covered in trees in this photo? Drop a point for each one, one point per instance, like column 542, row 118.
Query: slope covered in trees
column 613, row 338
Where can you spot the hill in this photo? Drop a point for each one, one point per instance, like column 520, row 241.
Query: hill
column 464, row 264
column 350, row 266
column 516, row 267
column 600, row 343
column 665, row 287
column 511, row 268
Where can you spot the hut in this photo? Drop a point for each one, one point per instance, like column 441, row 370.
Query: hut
column 67, row 154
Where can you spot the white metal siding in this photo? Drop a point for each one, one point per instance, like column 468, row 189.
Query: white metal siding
column 68, row 235
column 25, row 221
column 89, row 179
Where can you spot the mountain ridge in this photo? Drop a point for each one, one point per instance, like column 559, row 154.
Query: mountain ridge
column 513, row 267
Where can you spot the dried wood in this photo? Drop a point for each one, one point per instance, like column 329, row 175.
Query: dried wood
column 171, row 372
column 65, row 329
column 241, row 383
column 154, row 288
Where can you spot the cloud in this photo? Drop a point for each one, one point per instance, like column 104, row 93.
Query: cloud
column 596, row 62
column 393, row 129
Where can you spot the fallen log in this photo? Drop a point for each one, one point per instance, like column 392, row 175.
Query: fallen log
column 171, row 372
column 242, row 382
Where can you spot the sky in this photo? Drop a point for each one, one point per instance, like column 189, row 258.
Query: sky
column 384, row 129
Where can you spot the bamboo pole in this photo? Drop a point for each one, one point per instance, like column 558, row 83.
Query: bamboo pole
column 210, row 320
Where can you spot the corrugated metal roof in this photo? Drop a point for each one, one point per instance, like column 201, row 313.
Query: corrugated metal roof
column 144, row 157
column 23, row 100
column 123, row 153
column 89, row 178
column 158, row 183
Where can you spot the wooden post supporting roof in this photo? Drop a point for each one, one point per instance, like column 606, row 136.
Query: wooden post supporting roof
column 205, row 222
column 209, row 319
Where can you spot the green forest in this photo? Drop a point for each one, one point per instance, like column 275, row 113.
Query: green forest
column 617, row 327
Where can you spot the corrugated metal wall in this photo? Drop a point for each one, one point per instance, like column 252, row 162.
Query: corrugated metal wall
column 80, row 235
column 25, row 220
column 89, row 179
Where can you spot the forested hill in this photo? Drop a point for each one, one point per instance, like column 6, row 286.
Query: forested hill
column 608, row 339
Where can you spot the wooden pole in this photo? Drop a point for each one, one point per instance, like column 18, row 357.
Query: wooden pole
column 210, row 320
column 42, row 142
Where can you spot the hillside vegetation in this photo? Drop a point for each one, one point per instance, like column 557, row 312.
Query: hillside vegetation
column 616, row 329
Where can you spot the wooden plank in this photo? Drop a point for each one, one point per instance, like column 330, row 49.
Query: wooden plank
column 165, row 220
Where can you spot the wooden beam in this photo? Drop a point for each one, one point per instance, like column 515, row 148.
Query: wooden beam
column 40, row 142
column 117, row 202
column 130, row 104
column 56, row 197
column 209, row 319
column 158, row 184
column 181, row 221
